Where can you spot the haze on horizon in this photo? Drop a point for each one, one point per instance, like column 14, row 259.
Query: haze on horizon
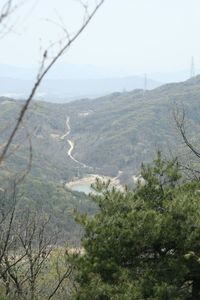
column 137, row 36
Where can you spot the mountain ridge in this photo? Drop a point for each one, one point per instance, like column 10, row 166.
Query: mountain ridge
column 110, row 133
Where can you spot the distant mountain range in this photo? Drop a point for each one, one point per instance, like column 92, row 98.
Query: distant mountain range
column 65, row 90
column 68, row 82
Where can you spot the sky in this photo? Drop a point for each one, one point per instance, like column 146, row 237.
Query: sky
column 140, row 36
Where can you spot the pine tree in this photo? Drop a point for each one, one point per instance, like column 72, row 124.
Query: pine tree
column 143, row 244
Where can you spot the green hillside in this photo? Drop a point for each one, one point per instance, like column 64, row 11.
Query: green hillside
column 50, row 200
column 109, row 134
column 112, row 133
column 43, row 190
column 124, row 129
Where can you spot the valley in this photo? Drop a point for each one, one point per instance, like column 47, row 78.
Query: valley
column 71, row 144
column 84, row 184
column 99, row 150
column 108, row 138
column 101, row 136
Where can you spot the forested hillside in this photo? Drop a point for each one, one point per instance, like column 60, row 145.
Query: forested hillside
column 38, row 146
column 112, row 133
column 122, row 130
column 58, row 143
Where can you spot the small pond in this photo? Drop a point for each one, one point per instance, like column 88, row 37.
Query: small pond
column 84, row 188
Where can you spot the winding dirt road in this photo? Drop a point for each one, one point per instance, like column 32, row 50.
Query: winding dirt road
column 71, row 144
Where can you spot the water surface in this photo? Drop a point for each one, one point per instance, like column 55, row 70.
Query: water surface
column 84, row 188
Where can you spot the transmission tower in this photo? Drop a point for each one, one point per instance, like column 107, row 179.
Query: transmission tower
column 192, row 69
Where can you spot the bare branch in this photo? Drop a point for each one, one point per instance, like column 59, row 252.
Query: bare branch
column 6, row 10
column 10, row 223
column 65, row 275
column 180, row 120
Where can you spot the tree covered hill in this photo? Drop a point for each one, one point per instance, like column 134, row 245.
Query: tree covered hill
column 43, row 190
column 112, row 133
column 121, row 130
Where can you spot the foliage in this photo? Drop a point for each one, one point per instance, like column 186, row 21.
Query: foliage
column 57, row 202
column 32, row 265
column 143, row 244
column 112, row 133
column 55, row 271
column 122, row 130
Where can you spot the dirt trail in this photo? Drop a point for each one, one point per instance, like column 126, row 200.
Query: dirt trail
column 71, row 145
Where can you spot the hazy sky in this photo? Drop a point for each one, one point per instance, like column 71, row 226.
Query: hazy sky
column 138, row 35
